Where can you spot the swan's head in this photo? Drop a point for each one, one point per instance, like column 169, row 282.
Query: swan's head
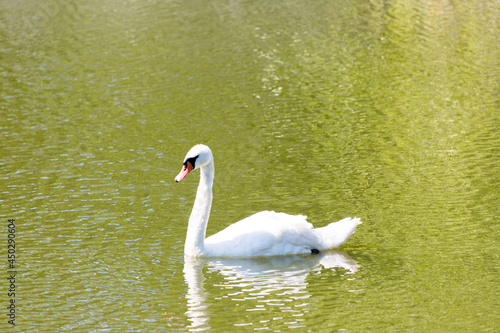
column 197, row 157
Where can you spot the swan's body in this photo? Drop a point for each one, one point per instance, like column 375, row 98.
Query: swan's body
column 263, row 234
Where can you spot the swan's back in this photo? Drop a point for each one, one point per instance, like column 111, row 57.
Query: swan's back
column 268, row 233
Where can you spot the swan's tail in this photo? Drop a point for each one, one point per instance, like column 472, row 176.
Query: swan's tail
column 337, row 233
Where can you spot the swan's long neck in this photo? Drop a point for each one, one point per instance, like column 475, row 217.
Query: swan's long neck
column 195, row 238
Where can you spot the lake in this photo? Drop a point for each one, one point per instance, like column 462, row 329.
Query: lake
column 384, row 110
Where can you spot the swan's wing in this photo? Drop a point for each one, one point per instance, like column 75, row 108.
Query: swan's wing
column 269, row 222
column 263, row 234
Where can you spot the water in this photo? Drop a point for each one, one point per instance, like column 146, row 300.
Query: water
column 388, row 111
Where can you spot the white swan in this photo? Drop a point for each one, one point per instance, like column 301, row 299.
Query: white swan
column 263, row 234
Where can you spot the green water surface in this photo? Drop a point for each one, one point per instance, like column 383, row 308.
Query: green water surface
column 384, row 110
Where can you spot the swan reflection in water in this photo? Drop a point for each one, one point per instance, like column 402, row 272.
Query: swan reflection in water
column 259, row 277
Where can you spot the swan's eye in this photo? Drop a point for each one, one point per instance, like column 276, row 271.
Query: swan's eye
column 191, row 160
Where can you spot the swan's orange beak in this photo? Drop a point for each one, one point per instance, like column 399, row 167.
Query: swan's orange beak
column 187, row 168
